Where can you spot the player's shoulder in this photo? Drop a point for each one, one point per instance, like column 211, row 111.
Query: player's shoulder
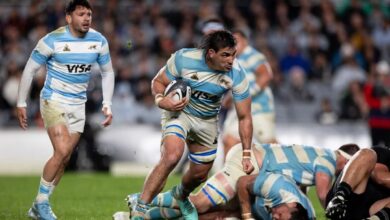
column 59, row 32
column 237, row 69
column 53, row 36
column 253, row 52
column 95, row 35
column 93, row 32
column 192, row 53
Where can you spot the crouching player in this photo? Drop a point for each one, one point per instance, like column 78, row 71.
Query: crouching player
column 220, row 189
column 363, row 188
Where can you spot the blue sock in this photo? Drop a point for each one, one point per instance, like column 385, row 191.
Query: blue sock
column 162, row 213
column 164, row 200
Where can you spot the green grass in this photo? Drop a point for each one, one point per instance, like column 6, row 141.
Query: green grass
column 80, row 196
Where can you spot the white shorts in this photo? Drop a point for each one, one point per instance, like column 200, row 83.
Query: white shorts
column 221, row 187
column 263, row 126
column 55, row 113
column 192, row 129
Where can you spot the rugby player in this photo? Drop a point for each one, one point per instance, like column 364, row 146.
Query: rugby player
column 68, row 54
column 259, row 75
column 363, row 188
column 211, row 70
column 220, row 189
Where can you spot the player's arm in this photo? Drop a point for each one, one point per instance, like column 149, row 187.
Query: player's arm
column 24, row 87
column 108, row 82
column 381, row 175
column 245, row 128
column 159, row 83
column 244, row 192
column 323, row 183
column 242, row 102
column 264, row 76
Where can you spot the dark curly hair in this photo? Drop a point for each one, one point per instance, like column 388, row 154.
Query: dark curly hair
column 71, row 6
column 218, row 40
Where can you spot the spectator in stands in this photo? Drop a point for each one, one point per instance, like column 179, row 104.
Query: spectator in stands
column 296, row 87
column 377, row 94
column 326, row 115
column 381, row 38
column 348, row 72
column 294, row 58
column 320, row 67
column 353, row 105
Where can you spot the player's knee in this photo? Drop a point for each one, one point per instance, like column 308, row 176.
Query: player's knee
column 170, row 160
column 62, row 155
column 241, row 181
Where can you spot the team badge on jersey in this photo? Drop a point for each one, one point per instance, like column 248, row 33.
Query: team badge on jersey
column 66, row 48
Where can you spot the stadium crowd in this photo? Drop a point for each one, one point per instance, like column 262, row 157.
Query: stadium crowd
column 329, row 58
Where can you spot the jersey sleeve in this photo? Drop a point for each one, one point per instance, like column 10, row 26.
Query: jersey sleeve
column 43, row 50
column 104, row 54
column 173, row 66
column 240, row 83
column 324, row 165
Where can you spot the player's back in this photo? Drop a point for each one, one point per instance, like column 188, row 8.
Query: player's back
column 299, row 162
column 69, row 62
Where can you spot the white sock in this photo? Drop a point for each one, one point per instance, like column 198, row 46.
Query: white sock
column 43, row 191
column 52, row 187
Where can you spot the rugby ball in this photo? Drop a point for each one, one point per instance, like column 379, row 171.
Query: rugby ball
column 181, row 88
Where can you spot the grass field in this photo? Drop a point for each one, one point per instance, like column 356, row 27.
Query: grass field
column 80, row 196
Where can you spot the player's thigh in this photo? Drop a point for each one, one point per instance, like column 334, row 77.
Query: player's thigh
column 202, row 140
column 221, row 187
column 55, row 113
column 64, row 123
column 52, row 113
column 174, row 134
column 175, row 125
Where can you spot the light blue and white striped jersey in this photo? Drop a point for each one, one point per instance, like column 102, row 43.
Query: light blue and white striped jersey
column 250, row 59
column 299, row 162
column 68, row 61
column 208, row 86
column 273, row 189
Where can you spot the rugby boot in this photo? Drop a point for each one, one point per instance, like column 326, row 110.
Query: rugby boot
column 337, row 208
column 187, row 209
column 41, row 211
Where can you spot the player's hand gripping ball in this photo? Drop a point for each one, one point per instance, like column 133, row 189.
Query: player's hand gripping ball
column 181, row 89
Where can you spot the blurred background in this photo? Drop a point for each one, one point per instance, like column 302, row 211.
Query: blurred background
column 329, row 57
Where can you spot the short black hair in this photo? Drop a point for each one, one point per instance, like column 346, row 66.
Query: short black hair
column 350, row 149
column 300, row 213
column 218, row 40
column 72, row 4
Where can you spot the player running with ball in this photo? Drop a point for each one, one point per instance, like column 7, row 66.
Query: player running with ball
column 211, row 71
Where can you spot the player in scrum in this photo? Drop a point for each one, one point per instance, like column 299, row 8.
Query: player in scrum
column 220, row 189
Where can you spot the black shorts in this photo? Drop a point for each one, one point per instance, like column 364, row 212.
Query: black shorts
column 359, row 204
